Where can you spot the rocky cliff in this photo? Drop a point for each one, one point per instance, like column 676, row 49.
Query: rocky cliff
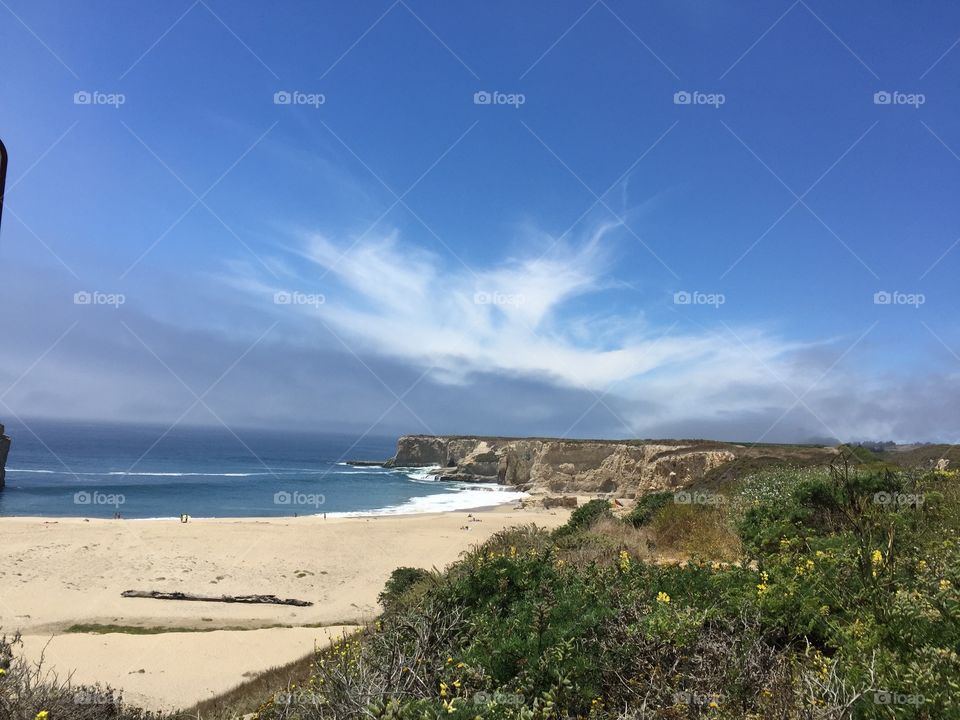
column 621, row 468
column 4, row 450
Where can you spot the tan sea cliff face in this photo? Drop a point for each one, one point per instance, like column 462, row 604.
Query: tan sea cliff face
column 565, row 466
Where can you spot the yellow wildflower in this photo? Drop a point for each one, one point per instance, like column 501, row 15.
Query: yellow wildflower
column 762, row 586
column 43, row 715
column 624, row 561
column 822, row 664
column 662, row 597
column 945, row 584
column 857, row 629
column 443, row 689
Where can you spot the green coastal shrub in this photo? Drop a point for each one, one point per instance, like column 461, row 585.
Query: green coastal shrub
column 648, row 506
column 695, row 530
column 402, row 581
column 842, row 603
column 582, row 518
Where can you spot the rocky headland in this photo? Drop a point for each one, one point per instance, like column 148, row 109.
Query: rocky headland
column 620, row 468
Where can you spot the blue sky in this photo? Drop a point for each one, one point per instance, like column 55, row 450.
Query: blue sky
column 511, row 267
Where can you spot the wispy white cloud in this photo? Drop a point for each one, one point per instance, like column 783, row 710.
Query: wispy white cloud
column 536, row 314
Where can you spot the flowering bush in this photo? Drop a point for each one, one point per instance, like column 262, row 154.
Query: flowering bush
column 843, row 604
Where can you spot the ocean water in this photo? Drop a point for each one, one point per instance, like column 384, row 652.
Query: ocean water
column 60, row 469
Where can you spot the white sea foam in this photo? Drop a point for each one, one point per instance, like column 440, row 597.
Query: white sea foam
column 426, row 474
column 121, row 473
column 466, row 496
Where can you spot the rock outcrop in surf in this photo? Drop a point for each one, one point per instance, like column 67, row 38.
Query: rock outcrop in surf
column 4, row 451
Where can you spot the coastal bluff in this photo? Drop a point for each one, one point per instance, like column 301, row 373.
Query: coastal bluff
column 4, row 451
column 622, row 468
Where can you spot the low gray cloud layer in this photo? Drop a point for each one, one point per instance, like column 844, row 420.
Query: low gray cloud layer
column 264, row 369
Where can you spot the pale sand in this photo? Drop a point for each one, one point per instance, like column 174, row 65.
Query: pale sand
column 174, row 669
column 56, row 573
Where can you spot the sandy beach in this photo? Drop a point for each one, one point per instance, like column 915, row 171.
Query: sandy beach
column 58, row 573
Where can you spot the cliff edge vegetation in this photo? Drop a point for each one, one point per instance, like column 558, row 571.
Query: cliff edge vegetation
column 625, row 468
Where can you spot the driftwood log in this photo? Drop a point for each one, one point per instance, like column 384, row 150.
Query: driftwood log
column 253, row 599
